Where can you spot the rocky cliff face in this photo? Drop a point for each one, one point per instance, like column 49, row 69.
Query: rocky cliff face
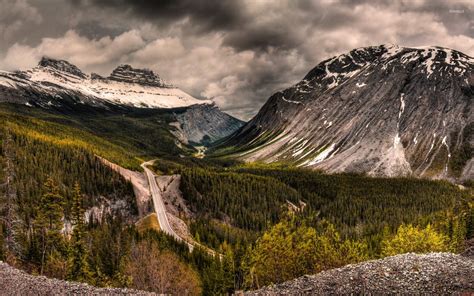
column 125, row 73
column 204, row 124
column 383, row 110
column 62, row 66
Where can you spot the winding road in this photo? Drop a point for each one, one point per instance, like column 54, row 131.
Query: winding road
column 160, row 210
column 160, row 205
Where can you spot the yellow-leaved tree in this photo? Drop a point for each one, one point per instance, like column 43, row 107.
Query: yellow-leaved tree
column 291, row 248
column 414, row 239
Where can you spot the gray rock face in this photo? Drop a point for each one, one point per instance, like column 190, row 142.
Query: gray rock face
column 61, row 65
column 382, row 110
column 203, row 124
column 125, row 73
column 407, row 274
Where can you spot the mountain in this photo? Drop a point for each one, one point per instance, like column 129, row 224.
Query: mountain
column 205, row 123
column 61, row 86
column 383, row 110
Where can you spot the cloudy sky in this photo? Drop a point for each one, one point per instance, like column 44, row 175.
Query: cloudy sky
column 235, row 52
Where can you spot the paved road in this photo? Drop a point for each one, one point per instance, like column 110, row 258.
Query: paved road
column 160, row 205
column 160, row 210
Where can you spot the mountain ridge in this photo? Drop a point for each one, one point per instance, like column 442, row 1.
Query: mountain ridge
column 139, row 88
column 368, row 111
column 59, row 86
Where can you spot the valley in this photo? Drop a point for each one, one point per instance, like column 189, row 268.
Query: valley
column 140, row 184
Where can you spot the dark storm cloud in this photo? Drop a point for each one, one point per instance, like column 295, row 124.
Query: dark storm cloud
column 236, row 52
column 207, row 15
column 262, row 38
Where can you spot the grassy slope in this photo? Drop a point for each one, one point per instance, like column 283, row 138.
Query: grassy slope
column 149, row 222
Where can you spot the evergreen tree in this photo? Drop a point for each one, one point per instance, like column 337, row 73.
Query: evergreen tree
column 228, row 269
column 8, row 200
column 79, row 267
column 49, row 220
column 2, row 243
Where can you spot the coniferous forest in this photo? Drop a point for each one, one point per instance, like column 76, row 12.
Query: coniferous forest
column 269, row 223
column 213, row 147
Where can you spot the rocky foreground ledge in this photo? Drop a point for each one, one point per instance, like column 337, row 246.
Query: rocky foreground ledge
column 17, row 282
column 408, row 274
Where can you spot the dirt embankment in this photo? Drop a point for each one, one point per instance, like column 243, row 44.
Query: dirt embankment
column 140, row 186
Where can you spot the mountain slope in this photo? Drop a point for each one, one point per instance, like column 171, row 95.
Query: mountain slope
column 58, row 86
column 383, row 110
column 205, row 123
column 125, row 86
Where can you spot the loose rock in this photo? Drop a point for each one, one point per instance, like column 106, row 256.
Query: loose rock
column 428, row 274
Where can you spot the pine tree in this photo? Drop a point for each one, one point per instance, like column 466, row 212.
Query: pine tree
column 458, row 235
column 228, row 269
column 79, row 267
column 9, row 201
column 48, row 220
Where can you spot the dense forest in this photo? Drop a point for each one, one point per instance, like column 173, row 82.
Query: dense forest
column 125, row 138
column 252, row 198
column 65, row 214
column 48, row 191
column 235, row 204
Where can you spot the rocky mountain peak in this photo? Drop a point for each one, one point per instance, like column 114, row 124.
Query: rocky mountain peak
column 58, row 81
column 334, row 71
column 128, row 74
column 384, row 110
column 61, row 65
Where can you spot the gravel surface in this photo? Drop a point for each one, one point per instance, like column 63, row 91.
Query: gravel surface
column 17, row 282
column 407, row 274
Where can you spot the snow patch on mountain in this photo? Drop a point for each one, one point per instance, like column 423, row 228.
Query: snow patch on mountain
column 381, row 110
column 139, row 88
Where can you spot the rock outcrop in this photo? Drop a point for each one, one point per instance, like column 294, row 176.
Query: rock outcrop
column 203, row 124
column 61, row 65
column 126, row 73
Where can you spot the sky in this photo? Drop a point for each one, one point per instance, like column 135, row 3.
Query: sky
column 235, row 52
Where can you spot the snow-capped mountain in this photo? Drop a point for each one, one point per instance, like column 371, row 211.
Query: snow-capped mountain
column 59, row 85
column 383, row 110
column 125, row 86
